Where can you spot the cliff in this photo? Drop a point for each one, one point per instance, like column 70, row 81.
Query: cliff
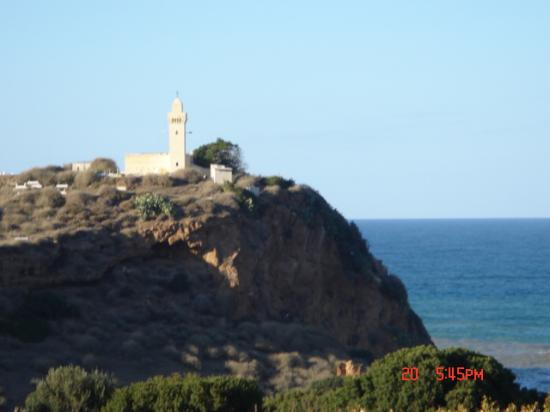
column 277, row 286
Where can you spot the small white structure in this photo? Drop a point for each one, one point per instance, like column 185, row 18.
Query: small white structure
column 29, row 184
column 160, row 163
column 62, row 187
column 122, row 188
column 20, row 187
column 33, row 184
column 80, row 166
column 221, row 174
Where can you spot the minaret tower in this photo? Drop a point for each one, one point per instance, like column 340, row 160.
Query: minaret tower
column 176, row 135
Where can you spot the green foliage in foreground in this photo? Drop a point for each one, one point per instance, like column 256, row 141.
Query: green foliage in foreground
column 152, row 205
column 190, row 393
column 382, row 388
column 73, row 389
column 70, row 389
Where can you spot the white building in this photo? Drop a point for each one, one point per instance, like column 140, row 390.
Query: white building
column 80, row 166
column 29, row 184
column 221, row 174
column 160, row 163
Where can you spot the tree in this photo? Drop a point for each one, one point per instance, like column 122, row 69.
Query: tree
column 189, row 393
column 70, row 389
column 220, row 152
column 104, row 165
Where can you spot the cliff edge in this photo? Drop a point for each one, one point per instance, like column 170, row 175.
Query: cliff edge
column 271, row 283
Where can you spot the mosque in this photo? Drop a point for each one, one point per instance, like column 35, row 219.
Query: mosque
column 161, row 163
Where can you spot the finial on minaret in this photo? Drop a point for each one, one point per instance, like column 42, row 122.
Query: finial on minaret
column 177, row 93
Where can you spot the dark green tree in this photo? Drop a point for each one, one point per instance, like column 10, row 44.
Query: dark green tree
column 219, row 152
column 70, row 389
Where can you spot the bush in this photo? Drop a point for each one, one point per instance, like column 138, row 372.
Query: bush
column 70, row 389
column 76, row 201
column 51, row 198
column 157, row 181
column 184, row 176
column 332, row 394
column 151, row 205
column 86, row 178
column 47, row 176
column 277, row 181
column 103, row 165
column 66, row 176
column 220, row 152
column 384, row 389
column 190, row 393
column 246, row 199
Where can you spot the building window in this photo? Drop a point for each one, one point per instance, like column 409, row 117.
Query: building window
column 177, row 164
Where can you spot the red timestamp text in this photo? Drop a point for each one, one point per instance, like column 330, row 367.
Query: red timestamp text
column 441, row 373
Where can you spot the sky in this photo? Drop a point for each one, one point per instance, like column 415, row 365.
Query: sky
column 391, row 109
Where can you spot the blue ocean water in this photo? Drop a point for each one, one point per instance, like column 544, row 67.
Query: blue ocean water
column 483, row 284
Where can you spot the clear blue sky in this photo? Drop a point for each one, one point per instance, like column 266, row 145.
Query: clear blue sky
column 391, row 109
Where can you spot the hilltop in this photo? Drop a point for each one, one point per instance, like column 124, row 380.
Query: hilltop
column 261, row 278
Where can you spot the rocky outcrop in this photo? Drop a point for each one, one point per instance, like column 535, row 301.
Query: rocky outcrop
column 295, row 259
column 288, row 282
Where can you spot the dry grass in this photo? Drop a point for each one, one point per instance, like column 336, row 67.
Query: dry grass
column 47, row 176
column 86, row 179
column 50, row 198
column 152, row 181
column 187, row 176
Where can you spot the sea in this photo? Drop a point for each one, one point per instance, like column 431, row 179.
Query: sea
column 482, row 284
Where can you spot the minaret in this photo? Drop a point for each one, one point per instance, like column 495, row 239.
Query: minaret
column 176, row 135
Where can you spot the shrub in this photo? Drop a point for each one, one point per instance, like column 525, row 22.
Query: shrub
column 151, row 205
column 76, row 201
column 156, row 181
column 51, row 198
column 66, row 176
column 384, row 389
column 45, row 175
column 220, row 152
column 277, row 181
column 109, row 196
column 70, row 389
column 86, row 178
column 332, row 394
column 190, row 393
column 184, row 176
column 381, row 388
column 103, row 165
column 246, row 199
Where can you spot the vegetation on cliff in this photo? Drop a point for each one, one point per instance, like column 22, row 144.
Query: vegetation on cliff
column 261, row 279
column 219, row 152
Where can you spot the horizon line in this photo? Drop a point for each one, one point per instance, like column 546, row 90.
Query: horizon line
column 453, row 218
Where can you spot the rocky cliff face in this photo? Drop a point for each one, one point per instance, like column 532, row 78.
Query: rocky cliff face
column 290, row 263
